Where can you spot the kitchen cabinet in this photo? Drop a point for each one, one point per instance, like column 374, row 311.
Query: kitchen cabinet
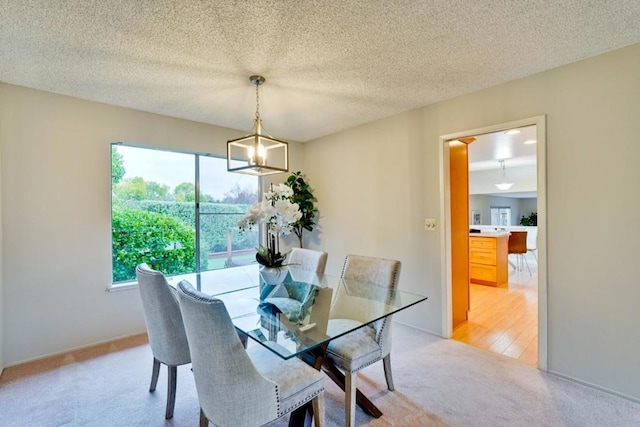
column 488, row 258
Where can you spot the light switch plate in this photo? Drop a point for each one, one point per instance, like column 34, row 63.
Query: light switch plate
column 430, row 224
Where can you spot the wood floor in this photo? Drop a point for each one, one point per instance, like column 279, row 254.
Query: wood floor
column 505, row 320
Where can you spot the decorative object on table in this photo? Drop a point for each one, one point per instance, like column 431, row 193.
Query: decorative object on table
column 258, row 153
column 279, row 215
column 273, row 275
column 305, row 199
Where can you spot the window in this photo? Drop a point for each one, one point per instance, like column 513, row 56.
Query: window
column 177, row 212
column 501, row 216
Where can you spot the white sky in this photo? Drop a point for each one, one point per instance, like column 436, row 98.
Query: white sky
column 170, row 168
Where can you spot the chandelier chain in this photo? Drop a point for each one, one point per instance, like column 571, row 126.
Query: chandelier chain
column 257, row 102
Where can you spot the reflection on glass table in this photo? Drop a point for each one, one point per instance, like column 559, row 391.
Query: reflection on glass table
column 291, row 318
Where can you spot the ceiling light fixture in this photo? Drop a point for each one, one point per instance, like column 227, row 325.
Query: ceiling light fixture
column 530, row 141
column 257, row 153
column 512, row 132
column 503, row 185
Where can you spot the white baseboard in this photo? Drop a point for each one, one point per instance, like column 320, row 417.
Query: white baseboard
column 82, row 347
column 597, row 387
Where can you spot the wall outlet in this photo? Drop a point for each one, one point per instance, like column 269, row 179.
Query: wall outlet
column 430, row 224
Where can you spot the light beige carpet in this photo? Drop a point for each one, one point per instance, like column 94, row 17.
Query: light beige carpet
column 438, row 383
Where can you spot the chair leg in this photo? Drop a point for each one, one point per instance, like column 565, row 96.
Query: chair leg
column 318, row 410
column 350, row 398
column 386, row 363
column 171, row 391
column 154, row 375
column 204, row 421
column 527, row 263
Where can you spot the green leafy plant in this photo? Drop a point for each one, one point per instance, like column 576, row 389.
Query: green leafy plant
column 161, row 241
column 531, row 220
column 304, row 198
column 269, row 258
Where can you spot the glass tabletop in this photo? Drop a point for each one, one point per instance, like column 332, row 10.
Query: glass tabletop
column 308, row 310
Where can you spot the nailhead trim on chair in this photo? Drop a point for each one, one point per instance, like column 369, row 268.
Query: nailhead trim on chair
column 313, row 396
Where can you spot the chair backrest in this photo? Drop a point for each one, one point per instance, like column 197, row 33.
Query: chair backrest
column 308, row 259
column 230, row 389
column 165, row 329
column 518, row 242
column 380, row 272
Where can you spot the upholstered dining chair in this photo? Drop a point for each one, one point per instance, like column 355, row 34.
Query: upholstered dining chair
column 238, row 386
column 308, row 259
column 167, row 337
column 295, row 300
column 518, row 246
column 369, row 344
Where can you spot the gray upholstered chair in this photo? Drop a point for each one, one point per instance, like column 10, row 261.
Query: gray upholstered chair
column 166, row 333
column 308, row 259
column 295, row 300
column 369, row 344
column 239, row 387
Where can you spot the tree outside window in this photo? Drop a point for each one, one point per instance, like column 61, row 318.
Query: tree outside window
column 154, row 210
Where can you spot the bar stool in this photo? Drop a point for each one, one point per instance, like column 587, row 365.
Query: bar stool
column 518, row 247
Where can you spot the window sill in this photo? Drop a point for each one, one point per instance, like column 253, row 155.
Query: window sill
column 127, row 286
column 117, row 287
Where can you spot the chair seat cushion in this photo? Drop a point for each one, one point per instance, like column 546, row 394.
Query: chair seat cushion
column 355, row 350
column 297, row 381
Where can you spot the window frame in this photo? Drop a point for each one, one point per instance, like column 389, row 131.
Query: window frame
column 132, row 284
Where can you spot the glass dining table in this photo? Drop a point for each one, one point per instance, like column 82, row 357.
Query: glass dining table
column 292, row 319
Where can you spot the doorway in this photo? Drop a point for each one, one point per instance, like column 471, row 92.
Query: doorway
column 521, row 281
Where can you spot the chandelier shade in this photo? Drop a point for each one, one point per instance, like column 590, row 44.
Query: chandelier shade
column 258, row 153
column 504, row 186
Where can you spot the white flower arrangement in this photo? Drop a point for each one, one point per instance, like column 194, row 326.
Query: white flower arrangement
column 279, row 215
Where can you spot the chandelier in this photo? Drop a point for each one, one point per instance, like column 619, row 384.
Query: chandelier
column 257, row 153
column 503, row 185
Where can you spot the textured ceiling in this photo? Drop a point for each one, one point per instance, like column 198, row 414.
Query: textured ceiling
column 329, row 65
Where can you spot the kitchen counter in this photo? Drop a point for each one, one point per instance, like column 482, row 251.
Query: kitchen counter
column 490, row 234
column 488, row 262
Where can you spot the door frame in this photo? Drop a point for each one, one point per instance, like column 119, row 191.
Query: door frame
column 445, row 230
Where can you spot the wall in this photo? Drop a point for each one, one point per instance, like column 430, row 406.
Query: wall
column 378, row 182
column 522, row 177
column 56, row 230
column 527, row 206
column 483, row 203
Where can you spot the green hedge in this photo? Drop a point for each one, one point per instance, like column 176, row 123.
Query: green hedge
column 162, row 234
column 215, row 219
column 161, row 241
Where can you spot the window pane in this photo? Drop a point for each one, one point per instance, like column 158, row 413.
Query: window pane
column 153, row 211
column 501, row 216
column 225, row 197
